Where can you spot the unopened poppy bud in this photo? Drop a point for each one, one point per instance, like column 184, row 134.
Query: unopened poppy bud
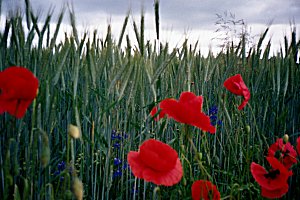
column 285, row 138
column 199, row 155
column 248, row 129
column 73, row 131
column 77, row 188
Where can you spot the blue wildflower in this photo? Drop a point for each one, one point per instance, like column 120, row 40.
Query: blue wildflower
column 113, row 134
column 213, row 117
column 125, row 166
column 119, row 137
column 117, row 145
column 61, row 166
column 117, row 161
column 212, row 112
column 56, row 173
column 117, row 173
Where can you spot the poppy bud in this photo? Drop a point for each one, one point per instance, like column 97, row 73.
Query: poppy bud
column 285, row 138
column 248, row 129
column 199, row 155
column 73, row 131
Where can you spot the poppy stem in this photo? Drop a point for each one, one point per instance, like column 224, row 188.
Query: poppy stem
column 202, row 168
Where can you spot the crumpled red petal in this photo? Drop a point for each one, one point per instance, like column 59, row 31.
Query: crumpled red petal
column 236, row 85
column 188, row 110
column 18, row 88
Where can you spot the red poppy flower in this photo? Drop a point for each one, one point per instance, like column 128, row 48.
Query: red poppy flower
column 156, row 162
column 187, row 110
column 298, row 145
column 203, row 189
column 236, row 85
column 273, row 180
column 285, row 152
column 18, row 88
column 154, row 112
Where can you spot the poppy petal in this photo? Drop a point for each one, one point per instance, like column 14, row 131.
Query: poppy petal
column 236, row 85
column 166, row 178
column 260, row 174
column 189, row 99
column 143, row 164
column 154, row 113
column 158, row 155
column 298, row 145
column 18, row 88
column 136, row 164
column 287, row 152
column 203, row 189
column 277, row 193
column 19, row 109
column 188, row 110
column 174, row 110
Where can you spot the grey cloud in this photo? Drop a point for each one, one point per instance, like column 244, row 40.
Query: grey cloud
column 179, row 14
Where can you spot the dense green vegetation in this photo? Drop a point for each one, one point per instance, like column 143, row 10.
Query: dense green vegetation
column 100, row 87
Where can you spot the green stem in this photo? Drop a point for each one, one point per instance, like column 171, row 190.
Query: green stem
column 202, row 168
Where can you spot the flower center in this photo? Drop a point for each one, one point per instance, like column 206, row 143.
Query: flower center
column 272, row 174
column 278, row 154
column 286, row 153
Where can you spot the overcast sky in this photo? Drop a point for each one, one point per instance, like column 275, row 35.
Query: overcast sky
column 179, row 19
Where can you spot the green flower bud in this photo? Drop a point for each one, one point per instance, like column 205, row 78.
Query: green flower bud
column 248, row 129
column 285, row 138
